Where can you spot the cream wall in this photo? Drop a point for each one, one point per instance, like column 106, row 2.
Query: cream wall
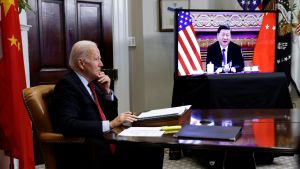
column 152, row 60
column 136, row 55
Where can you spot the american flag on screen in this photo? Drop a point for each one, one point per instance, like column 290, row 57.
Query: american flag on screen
column 250, row 4
column 189, row 58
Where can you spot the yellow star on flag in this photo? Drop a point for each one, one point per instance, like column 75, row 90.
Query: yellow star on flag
column 7, row 4
column 13, row 41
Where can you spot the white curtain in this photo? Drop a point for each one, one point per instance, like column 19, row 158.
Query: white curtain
column 295, row 64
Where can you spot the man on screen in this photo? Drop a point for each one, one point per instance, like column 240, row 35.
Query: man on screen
column 224, row 54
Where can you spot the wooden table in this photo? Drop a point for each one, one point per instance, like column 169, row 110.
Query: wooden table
column 264, row 130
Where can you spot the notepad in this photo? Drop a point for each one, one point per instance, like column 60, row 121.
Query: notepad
column 230, row 133
column 142, row 132
column 166, row 112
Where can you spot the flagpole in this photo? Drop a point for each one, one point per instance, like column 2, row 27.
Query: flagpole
column 11, row 164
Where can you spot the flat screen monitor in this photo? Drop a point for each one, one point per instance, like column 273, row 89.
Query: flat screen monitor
column 216, row 42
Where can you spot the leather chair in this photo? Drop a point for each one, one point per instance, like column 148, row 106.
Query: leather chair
column 36, row 100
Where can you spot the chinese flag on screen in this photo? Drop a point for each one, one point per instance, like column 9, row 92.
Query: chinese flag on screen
column 15, row 126
column 264, row 51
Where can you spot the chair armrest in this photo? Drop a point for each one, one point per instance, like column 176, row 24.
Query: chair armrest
column 47, row 137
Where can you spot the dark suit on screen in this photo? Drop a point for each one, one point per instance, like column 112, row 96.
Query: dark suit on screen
column 234, row 54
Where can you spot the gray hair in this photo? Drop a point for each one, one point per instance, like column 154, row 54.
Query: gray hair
column 79, row 50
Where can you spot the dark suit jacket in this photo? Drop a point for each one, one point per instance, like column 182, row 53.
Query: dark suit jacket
column 234, row 54
column 74, row 112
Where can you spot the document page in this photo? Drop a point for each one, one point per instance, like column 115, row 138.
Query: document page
column 142, row 132
column 177, row 111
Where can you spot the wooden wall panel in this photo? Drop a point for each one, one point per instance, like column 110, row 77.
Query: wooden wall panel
column 57, row 25
column 52, row 35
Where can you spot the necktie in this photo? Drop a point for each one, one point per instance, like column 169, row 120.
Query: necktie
column 223, row 57
column 92, row 87
column 112, row 147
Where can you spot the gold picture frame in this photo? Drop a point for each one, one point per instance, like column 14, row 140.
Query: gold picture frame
column 166, row 13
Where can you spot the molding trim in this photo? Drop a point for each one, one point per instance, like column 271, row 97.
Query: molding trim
column 238, row 21
column 121, row 53
column 25, row 27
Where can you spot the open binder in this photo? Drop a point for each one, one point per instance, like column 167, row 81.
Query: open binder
column 230, row 133
column 163, row 113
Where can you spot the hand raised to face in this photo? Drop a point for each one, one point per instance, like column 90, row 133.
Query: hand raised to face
column 103, row 82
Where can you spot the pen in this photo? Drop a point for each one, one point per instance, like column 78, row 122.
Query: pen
column 170, row 128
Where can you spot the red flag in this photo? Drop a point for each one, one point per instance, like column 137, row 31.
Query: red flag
column 264, row 132
column 264, row 51
column 15, row 126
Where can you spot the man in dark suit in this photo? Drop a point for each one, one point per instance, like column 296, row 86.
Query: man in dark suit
column 84, row 105
column 224, row 54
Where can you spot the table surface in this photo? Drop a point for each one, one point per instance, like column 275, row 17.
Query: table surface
column 264, row 130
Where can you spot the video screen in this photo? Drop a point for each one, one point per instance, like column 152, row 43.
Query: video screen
column 217, row 42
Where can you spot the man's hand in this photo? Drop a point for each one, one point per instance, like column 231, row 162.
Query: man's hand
column 233, row 70
column 123, row 117
column 219, row 70
column 104, row 82
column 226, row 68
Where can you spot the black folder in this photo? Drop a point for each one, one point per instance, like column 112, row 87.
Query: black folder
column 230, row 133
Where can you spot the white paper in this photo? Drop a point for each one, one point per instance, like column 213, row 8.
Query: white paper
column 164, row 112
column 142, row 132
